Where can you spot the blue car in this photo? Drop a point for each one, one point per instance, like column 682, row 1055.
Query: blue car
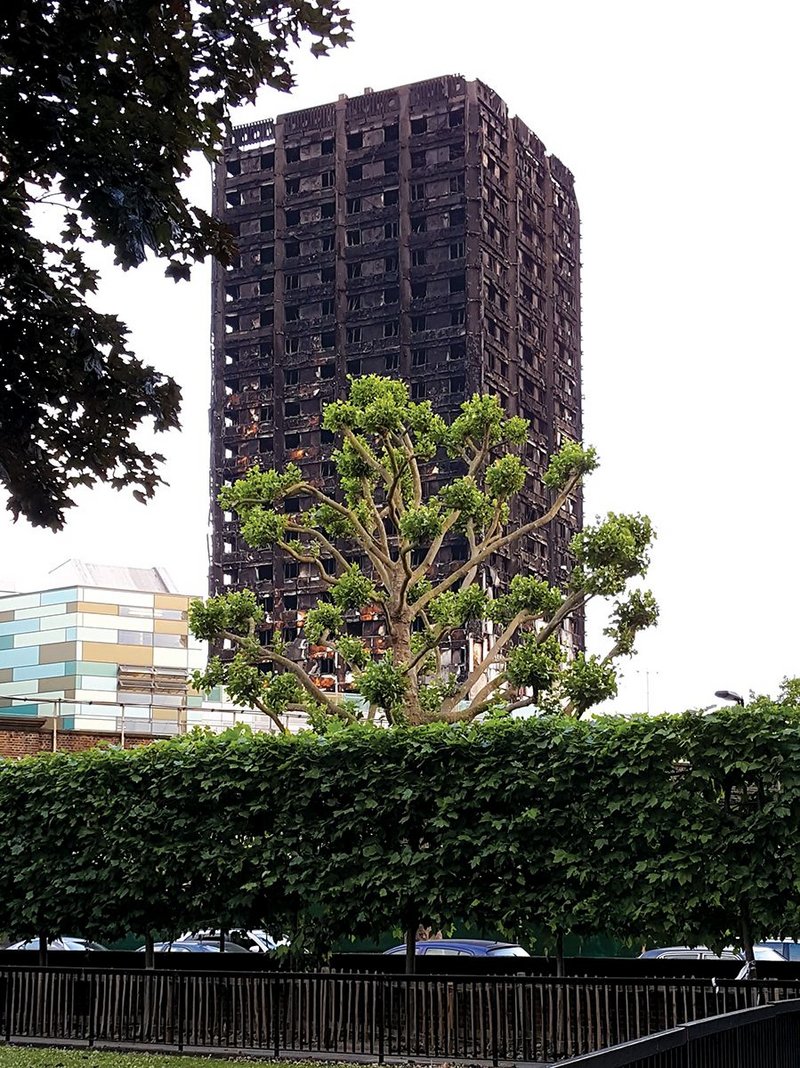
column 463, row 947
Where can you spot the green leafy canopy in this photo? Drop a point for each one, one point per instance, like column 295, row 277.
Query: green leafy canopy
column 396, row 513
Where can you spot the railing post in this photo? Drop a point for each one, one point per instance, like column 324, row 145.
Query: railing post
column 380, row 1010
column 8, row 1001
column 181, row 1011
column 91, row 1008
column 276, row 1015
column 493, row 1016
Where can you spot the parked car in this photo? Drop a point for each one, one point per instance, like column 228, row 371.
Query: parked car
column 250, row 941
column 185, row 945
column 761, row 951
column 463, row 947
column 65, row 942
column 787, row 947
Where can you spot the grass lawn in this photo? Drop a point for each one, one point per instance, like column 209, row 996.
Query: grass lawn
column 27, row 1057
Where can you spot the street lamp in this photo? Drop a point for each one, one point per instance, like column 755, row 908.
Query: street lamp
column 729, row 695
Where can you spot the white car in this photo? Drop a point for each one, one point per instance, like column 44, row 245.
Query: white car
column 254, row 941
column 66, row 942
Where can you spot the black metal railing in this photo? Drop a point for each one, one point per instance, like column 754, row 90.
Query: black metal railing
column 483, row 1018
column 764, row 1037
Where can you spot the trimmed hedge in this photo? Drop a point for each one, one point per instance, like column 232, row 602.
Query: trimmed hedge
column 676, row 828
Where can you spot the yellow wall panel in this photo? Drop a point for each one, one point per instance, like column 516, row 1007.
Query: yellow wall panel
column 97, row 609
column 176, row 602
column 110, row 653
column 171, row 626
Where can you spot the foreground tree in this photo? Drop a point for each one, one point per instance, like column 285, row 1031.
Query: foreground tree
column 101, row 105
column 385, row 509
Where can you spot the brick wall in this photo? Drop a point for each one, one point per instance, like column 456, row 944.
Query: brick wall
column 19, row 741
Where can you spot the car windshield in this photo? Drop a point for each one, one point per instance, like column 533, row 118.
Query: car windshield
column 508, row 951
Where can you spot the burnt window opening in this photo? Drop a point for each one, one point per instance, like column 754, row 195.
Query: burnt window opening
column 392, row 361
column 291, row 569
column 264, row 573
column 327, row 211
column 327, row 146
column 291, row 408
column 292, row 186
column 327, row 437
column 353, row 238
column 292, row 218
column 266, row 287
column 457, row 317
column 268, row 192
column 328, row 468
column 354, row 303
column 265, row 445
column 292, row 346
column 291, row 376
column 418, row 390
column 265, row 381
column 419, row 290
column 290, row 633
column 459, row 550
column 353, row 335
column 391, row 165
column 327, row 275
column 455, row 118
column 390, row 197
column 417, row 190
column 354, row 270
column 326, row 307
column 327, row 370
column 390, row 230
column 457, row 283
column 233, row 198
column 417, row 159
column 328, row 243
column 292, row 313
column 419, row 357
column 455, row 217
column 354, row 366
column 291, row 441
column 292, row 249
column 268, row 161
column 290, row 602
column 417, row 324
column 293, row 154
column 266, row 414
column 457, row 350
column 267, row 223
column 391, row 329
column 456, row 151
column 457, row 250
column 419, row 126
column 418, row 257
column 354, row 172
column 391, row 133
column 457, row 183
column 328, row 339
column 292, row 281
column 391, row 295
column 390, row 264
column 328, row 179
column 457, row 384
column 267, row 255
column 355, row 140
column 419, row 224
column 233, row 167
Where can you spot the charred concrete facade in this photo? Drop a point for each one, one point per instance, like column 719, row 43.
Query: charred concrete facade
column 421, row 232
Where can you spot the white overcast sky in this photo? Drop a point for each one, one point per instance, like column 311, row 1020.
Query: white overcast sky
column 679, row 122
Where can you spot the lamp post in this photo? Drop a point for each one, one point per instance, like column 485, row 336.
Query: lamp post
column 730, row 695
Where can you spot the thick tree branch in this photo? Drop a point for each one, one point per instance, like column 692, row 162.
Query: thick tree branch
column 497, row 544
column 302, row 677
column 480, row 670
